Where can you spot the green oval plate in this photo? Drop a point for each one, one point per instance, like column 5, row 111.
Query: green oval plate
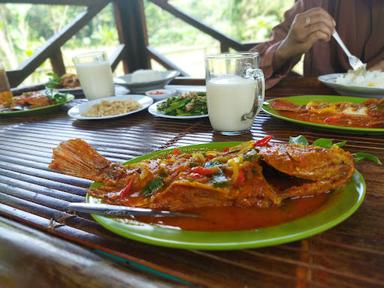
column 302, row 100
column 340, row 205
column 39, row 110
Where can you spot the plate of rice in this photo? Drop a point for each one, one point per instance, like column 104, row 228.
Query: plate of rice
column 110, row 107
column 369, row 84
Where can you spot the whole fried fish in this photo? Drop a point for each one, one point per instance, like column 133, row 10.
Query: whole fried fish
column 246, row 175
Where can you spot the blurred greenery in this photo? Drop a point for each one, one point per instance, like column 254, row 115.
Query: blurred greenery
column 24, row 28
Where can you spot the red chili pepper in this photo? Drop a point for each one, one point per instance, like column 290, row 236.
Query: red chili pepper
column 176, row 152
column 332, row 119
column 241, row 177
column 204, row 171
column 126, row 190
column 263, row 142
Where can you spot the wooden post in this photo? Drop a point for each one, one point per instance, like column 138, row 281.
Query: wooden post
column 132, row 31
column 57, row 62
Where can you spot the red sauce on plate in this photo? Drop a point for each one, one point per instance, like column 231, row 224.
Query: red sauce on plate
column 234, row 218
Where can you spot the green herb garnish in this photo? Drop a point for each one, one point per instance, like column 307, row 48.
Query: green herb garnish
column 298, row 140
column 359, row 156
column 328, row 143
column 153, row 186
column 53, row 80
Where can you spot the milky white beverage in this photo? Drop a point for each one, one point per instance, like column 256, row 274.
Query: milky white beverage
column 228, row 99
column 96, row 79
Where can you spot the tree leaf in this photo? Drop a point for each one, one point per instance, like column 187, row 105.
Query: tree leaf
column 359, row 156
column 298, row 140
column 323, row 142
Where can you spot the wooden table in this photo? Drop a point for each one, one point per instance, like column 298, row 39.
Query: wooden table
column 53, row 248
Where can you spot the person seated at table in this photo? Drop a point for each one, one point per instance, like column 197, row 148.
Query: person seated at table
column 307, row 28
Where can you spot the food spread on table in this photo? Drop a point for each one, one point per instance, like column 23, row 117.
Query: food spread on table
column 368, row 114
column 371, row 79
column 188, row 104
column 262, row 184
column 65, row 81
column 111, row 107
column 32, row 100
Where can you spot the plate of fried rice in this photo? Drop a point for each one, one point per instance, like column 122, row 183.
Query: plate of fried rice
column 110, row 107
column 368, row 84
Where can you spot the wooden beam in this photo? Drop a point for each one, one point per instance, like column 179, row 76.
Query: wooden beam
column 52, row 2
column 57, row 62
column 54, row 43
column 164, row 61
column 197, row 24
column 117, row 56
column 132, row 31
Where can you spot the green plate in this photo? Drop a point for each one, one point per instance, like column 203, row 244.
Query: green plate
column 302, row 100
column 339, row 206
column 39, row 110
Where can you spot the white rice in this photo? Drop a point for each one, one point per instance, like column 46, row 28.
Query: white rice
column 371, row 79
column 145, row 76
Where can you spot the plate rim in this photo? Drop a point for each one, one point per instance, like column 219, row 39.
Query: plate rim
column 351, row 88
column 69, row 97
column 119, row 228
column 71, row 111
column 152, row 109
column 170, row 75
column 274, row 113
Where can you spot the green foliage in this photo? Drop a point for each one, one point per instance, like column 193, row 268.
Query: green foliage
column 24, row 28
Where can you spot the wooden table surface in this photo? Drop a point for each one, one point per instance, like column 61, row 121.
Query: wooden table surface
column 51, row 247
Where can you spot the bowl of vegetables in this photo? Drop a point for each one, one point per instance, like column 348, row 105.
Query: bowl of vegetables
column 186, row 106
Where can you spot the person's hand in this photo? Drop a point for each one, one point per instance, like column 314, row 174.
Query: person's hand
column 379, row 66
column 307, row 28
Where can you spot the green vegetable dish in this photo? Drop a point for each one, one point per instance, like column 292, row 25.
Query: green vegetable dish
column 188, row 104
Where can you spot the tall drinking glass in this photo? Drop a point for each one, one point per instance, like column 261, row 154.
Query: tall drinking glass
column 95, row 75
column 235, row 91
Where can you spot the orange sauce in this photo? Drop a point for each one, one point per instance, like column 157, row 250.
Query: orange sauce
column 346, row 121
column 234, row 218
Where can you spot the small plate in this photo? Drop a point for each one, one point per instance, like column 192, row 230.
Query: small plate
column 142, row 87
column 38, row 110
column 77, row 110
column 153, row 110
column 370, row 92
column 304, row 99
column 340, row 205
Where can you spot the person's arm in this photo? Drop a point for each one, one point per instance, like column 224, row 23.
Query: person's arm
column 379, row 66
column 293, row 37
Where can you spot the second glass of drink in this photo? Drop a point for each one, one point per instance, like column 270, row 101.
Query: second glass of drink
column 235, row 91
column 95, row 75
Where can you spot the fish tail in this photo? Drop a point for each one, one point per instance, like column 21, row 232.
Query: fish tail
column 77, row 158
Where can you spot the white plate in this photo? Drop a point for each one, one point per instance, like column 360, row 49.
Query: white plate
column 153, row 110
column 349, row 90
column 142, row 87
column 77, row 110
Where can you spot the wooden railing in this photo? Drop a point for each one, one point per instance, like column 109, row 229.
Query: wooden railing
column 133, row 50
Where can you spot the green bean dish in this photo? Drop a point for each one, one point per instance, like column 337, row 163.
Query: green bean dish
column 188, row 104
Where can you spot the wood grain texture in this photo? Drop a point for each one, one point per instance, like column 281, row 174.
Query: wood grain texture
column 349, row 255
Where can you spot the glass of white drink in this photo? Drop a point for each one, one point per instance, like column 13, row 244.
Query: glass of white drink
column 235, row 91
column 95, row 75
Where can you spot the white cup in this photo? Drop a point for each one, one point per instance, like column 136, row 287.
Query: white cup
column 235, row 91
column 95, row 75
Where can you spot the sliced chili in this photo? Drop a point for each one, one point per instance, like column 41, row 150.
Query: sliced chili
column 263, row 142
column 204, row 171
column 126, row 190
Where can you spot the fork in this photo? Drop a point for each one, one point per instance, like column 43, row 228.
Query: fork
column 355, row 62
